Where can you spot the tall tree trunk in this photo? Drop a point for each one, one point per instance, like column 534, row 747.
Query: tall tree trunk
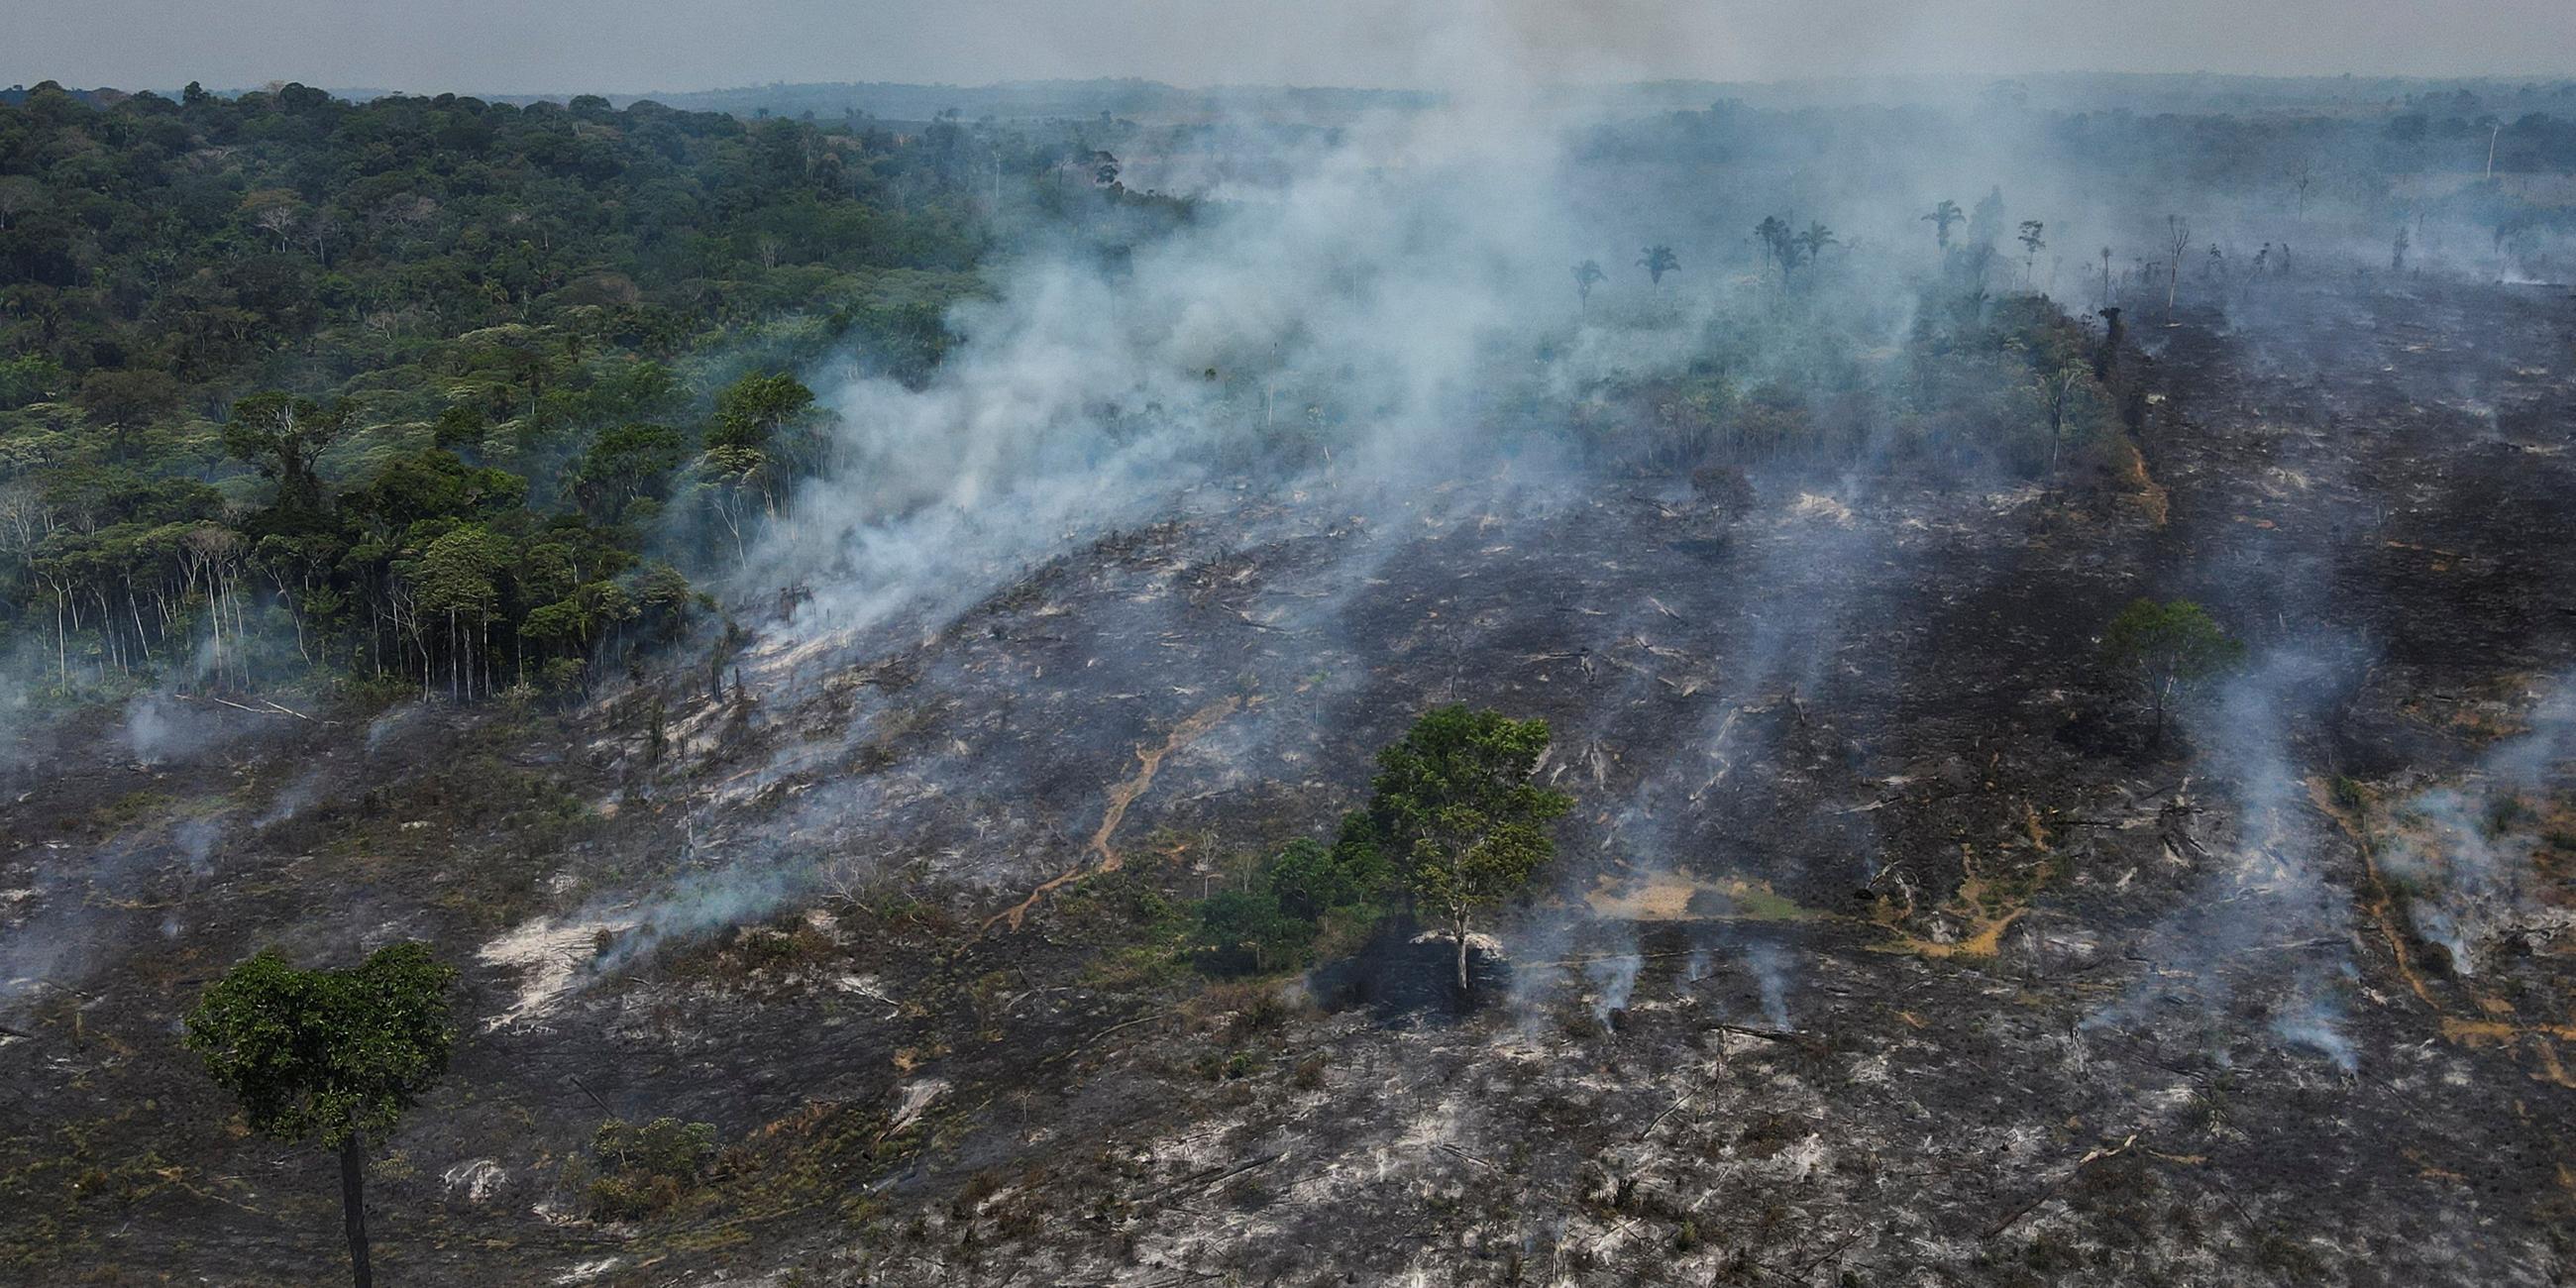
column 1461, row 923
column 353, row 1208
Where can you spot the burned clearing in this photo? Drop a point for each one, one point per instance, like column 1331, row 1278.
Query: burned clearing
column 1883, row 945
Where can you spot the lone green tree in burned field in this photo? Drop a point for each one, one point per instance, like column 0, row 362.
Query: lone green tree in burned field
column 2166, row 649
column 1455, row 817
column 328, row 1055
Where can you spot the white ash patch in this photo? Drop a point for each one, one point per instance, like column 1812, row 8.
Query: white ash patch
column 586, row 1271
column 1476, row 939
column 2069, row 946
column 917, row 1097
column 869, row 987
column 1872, row 1070
column 1802, row 1161
column 788, row 652
column 2011, row 499
column 476, row 1177
column 2537, row 927
column 549, row 956
column 1817, row 507
column 2023, row 1144
column 1193, row 1152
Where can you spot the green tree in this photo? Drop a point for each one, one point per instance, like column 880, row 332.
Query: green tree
column 1305, row 893
column 624, row 464
column 649, row 1167
column 751, row 411
column 1455, row 816
column 126, row 401
column 453, row 579
column 457, row 425
column 27, row 377
column 2166, row 649
column 1313, row 881
column 283, row 435
column 1249, row 924
column 328, row 1055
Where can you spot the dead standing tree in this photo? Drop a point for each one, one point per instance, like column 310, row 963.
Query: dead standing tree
column 2177, row 244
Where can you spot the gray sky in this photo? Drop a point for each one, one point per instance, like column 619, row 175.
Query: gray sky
column 499, row 46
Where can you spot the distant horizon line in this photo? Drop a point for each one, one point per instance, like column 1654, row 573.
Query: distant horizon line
column 360, row 92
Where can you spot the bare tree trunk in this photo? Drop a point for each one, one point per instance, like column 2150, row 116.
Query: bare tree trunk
column 353, row 1208
column 1461, row 923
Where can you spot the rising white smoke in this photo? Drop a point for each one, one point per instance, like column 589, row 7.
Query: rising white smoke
column 2465, row 848
column 1348, row 317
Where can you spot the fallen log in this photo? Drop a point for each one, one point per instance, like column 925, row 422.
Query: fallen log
column 1791, row 1036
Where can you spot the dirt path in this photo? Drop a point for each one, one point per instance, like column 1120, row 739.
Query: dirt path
column 1121, row 795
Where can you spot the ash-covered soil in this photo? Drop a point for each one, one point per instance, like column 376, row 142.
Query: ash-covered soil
column 1886, row 944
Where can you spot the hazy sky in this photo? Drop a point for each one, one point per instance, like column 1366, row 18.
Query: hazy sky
column 634, row 45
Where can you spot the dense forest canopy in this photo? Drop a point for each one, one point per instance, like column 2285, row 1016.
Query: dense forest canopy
column 413, row 381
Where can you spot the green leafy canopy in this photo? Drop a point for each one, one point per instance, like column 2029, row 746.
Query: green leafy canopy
column 2169, row 643
column 1455, row 813
column 326, row 1053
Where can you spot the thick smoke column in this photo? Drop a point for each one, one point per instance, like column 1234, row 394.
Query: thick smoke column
column 1376, row 282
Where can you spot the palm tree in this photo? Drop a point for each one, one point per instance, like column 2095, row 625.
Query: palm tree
column 1816, row 239
column 1784, row 246
column 1658, row 261
column 1943, row 218
column 1587, row 275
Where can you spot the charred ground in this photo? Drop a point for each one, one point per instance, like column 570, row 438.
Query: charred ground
column 1884, row 945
